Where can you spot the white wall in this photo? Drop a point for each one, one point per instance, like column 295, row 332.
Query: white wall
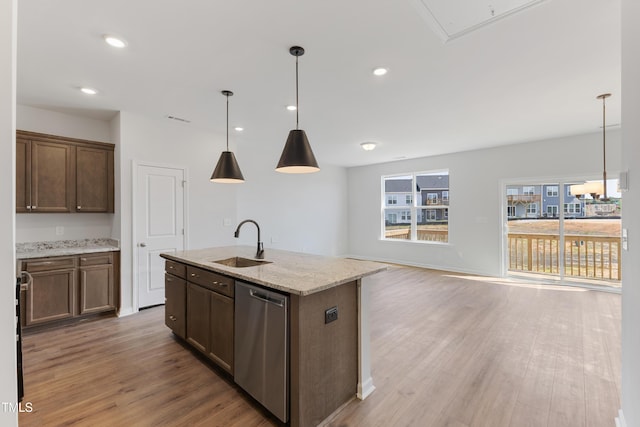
column 304, row 213
column 475, row 214
column 163, row 142
column 8, row 28
column 631, row 213
column 42, row 227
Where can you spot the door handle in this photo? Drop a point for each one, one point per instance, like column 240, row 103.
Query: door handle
column 142, row 245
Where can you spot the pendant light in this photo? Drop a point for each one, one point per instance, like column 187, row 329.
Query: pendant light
column 297, row 156
column 227, row 170
column 604, row 146
column 595, row 188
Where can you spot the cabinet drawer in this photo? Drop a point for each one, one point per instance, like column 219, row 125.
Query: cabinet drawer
column 210, row 280
column 47, row 264
column 175, row 268
column 96, row 259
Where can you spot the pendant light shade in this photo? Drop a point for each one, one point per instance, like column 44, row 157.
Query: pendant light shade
column 227, row 170
column 297, row 156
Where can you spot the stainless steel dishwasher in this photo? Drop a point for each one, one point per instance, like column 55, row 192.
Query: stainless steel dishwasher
column 261, row 361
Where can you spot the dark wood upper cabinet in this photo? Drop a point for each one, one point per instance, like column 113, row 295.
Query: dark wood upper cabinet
column 94, row 180
column 58, row 174
column 51, row 177
column 23, row 180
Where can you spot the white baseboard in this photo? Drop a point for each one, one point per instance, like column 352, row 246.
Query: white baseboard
column 620, row 422
column 365, row 389
column 126, row 311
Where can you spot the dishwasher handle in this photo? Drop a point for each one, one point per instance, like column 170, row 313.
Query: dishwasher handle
column 266, row 298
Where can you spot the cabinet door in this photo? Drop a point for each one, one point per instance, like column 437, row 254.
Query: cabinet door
column 96, row 289
column 52, row 176
column 198, row 308
column 175, row 292
column 94, row 180
column 221, row 331
column 50, row 296
column 23, row 181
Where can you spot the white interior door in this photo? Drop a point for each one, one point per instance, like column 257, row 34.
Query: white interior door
column 159, row 206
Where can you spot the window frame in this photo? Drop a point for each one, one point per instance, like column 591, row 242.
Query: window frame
column 415, row 209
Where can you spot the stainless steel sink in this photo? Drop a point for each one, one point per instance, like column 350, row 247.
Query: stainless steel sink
column 240, row 262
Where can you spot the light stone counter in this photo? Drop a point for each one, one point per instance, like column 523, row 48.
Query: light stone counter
column 291, row 272
column 65, row 247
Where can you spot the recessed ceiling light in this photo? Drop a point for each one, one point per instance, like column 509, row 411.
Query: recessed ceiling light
column 115, row 41
column 368, row 146
column 88, row 90
column 380, row 71
column 239, row 129
column 291, row 107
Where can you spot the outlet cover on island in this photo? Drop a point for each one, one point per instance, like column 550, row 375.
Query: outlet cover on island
column 59, row 230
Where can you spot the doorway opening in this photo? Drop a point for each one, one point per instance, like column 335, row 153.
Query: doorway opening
column 555, row 236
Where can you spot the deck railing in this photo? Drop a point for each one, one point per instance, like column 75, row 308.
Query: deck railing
column 423, row 235
column 596, row 257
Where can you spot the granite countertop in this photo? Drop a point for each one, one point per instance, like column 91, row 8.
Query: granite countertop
column 65, row 247
column 291, row 272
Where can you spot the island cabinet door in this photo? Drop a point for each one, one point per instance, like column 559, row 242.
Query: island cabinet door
column 198, row 309
column 175, row 308
column 221, row 332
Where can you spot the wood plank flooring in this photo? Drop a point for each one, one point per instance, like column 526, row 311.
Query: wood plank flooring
column 448, row 350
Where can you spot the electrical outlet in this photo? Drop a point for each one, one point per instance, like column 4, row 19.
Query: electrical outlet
column 330, row 315
column 226, row 222
column 59, row 230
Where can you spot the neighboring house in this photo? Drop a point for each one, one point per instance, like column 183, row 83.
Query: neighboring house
column 434, row 195
column 524, row 201
column 432, row 192
column 542, row 201
column 398, row 192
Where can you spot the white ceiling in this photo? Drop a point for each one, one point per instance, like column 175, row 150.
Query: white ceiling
column 532, row 75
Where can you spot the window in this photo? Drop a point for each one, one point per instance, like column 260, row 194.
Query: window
column 552, row 210
column 512, row 191
column 572, row 208
column 528, row 191
column 413, row 220
column 511, row 211
column 552, row 191
column 532, row 208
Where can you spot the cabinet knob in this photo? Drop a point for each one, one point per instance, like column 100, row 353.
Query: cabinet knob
column 28, row 207
column 173, row 318
column 142, row 245
column 33, row 207
column 78, row 207
column 194, row 275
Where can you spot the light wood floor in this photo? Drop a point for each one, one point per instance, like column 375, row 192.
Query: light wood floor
column 447, row 350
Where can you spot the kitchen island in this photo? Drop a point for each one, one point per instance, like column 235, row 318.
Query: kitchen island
column 328, row 326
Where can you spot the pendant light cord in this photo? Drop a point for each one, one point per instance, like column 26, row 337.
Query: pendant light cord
column 297, row 107
column 227, row 122
column 604, row 150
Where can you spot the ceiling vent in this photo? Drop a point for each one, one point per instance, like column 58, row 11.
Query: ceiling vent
column 451, row 19
column 178, row 119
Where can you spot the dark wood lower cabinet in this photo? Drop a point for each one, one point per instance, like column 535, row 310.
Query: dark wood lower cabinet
column 50, row 296
column 67, row 287
column 221, row 331
column 175, row 308
column 198, row 309
column 202, row 311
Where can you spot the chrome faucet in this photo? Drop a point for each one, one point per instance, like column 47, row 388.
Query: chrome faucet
column 260, row 252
